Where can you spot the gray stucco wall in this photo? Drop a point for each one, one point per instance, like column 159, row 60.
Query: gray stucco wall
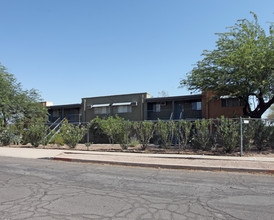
column 136, row 114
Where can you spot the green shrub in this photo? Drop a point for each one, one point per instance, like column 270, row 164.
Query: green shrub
column 183, row 132
column 5, row 137
column 228, row 134
column 34, row 134
column 114, row 127
column 248, row 131
column 165, row 131
column 72, row 134
column 16, row 133
column 58, row 139
column 133, row 142
column 88, row 144
column 16, row 139
column 264, row 135
column 144, row 132
column 202, row 134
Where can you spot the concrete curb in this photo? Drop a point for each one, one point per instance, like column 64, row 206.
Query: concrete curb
column 165, row 166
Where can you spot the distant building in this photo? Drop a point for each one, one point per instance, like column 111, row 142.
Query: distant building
column 47, row 103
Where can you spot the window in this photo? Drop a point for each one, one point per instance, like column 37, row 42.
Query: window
column 157, row 108
column 231, row 102
column 101, row 110
column 122, row 109
column 196, row 105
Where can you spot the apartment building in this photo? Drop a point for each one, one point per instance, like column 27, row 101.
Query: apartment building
column 141, row 106
column 129, row 106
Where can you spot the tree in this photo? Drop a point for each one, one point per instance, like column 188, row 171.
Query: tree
column 17, row 104
column 240, row 66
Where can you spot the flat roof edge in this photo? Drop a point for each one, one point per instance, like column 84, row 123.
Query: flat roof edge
column 140, row 93
column 66, row 105
column 185, row 97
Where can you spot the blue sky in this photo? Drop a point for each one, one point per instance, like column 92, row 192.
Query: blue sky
column 72, row 49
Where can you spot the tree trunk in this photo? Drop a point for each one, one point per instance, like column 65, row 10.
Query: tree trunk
column 259, row 110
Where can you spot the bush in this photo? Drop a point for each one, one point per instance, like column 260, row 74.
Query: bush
column 72, row 134
column 165, row 131
column 228, row 134
column 16, row 139
column 88, row 144
column 34, row 134
column 58, row 139
column 144, row 132
column 133, row 142
column 264, row 135
column 5, row 137
column 183, row 132
column 115, row 128
column 248, row 131
column 202, row 134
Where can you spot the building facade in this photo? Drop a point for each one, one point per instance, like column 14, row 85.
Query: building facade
column 71, row 112
column 128, row 106
column 174, row 107
column 140, row 106
column 226, row 106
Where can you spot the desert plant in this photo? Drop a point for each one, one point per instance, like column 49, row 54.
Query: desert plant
column 133, row 142
column 114, row 127
column 165, row 131
column 183, row 132
column 88, row 144
column 34, row 134
column 16, row 139
column 72, row 134
column 58, row 139
column 5, row 136
column 264, row 135
column 202, row 134
column 248, row 131
column 228, row 134
column 144, row 132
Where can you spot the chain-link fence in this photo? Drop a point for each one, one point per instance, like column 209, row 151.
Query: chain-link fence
column 212, row 135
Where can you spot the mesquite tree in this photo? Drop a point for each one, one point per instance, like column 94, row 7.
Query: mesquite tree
column 242, row 66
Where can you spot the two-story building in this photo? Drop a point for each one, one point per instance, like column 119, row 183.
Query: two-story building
column 141, row 106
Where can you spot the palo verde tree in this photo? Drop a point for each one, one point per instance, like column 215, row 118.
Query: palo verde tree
column 242, row 66
column 17, row 104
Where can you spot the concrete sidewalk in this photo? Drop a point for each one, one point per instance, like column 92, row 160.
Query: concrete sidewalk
column 168, row 161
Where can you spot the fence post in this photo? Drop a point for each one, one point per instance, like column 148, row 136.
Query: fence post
column 9, row 134
column 127, row 132
column 179, row 135
column 87, row 133
column 241, row 133
column 44, row 134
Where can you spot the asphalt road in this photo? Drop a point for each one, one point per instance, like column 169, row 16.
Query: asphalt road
column 42, row 189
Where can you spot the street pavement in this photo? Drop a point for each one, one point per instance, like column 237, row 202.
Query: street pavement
column 47, row 189
column 168, row 161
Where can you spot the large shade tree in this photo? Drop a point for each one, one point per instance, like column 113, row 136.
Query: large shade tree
column 242, row 66
column 17, row 104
